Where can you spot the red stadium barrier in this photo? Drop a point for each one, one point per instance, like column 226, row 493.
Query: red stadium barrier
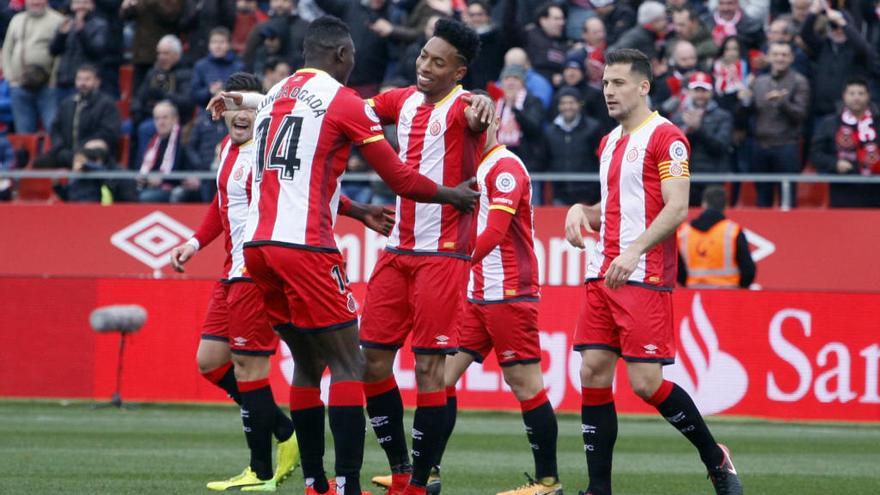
column 784, row 355
column 797, row 250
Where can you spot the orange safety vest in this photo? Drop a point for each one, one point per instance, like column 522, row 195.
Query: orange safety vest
column 710, row 256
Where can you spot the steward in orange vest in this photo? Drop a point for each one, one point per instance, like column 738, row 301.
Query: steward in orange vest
column 712, row 250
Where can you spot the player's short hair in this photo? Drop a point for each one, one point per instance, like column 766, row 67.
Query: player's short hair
column 243, row 81
column 465, row 40
column 637, row 61
column 857, row 81
column 715, row 198
column 326, row 33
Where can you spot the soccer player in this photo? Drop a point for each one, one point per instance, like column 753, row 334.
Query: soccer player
column 627, row 311
column 502, row 308
column 304, row 130
column 419, row 282
column 236, row 326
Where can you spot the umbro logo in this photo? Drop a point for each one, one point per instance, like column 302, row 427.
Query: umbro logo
column 417, row 434
column 441, row 339
column 650, row 349
column 508, row 355
column 588, row 429
column 239, row 341
column 377, row 421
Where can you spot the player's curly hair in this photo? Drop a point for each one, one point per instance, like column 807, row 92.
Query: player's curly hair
column 243, row 81
column 463, row 38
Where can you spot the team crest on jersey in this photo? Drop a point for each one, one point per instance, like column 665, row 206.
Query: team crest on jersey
column 678, row 151
column 239, row 173
column 435, row 128
column 505, row 182
column 371, row 114
column 632, row 155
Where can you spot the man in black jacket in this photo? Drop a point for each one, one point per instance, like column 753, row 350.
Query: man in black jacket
column 847, row 143
column 647, row 36
column 87, row 115
column 571, row 143
column 545, row 43
column 288, row 27
column 495, row 40
column 81, row 39
column 373, row 51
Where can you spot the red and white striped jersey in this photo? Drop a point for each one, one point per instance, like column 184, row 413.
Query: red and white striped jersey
column 233, row 198
column 631, row 168
column 303, row 133
column 510, row 270
column 436, row 140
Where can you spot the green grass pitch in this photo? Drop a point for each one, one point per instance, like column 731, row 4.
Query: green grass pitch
column 47, row 447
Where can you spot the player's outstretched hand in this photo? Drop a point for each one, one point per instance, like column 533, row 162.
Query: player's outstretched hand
column 463, row 196
column 578, row 219
column 482, row 109
column 379, row 219
column 223, row 101
column 180, row 255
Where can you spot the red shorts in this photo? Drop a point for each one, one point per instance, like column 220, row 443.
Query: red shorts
column 633, row 321
column 303, row 289
column 424, row 295
column 511, row 328
column 236, row 315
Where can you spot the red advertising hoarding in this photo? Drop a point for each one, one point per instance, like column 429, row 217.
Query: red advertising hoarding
column 785, row 355
column 797, row 250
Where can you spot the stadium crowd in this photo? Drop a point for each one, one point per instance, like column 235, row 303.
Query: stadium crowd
column 759, row 86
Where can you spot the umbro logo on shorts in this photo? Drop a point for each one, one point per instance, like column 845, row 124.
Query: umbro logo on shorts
column 239, row 341
column 651, row 349
column 441, row 339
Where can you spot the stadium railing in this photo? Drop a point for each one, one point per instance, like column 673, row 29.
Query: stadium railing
column 785, row 180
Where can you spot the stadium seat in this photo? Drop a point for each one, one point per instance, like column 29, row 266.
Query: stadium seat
column 126, row 82
column 124, row 107
column 812, row 195
column 30, row 143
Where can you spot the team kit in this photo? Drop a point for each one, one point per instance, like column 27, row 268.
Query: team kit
column 458, row 276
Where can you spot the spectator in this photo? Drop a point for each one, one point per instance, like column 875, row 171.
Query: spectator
column 275, row 71
column 591, row 50
column 28, row 65
column 671, row 88
column 413, row 25
column 373, row 51
column 153, row 20
column 700, row 10
column 709, row 129
column 537, row 85
column 571, row 143
column 7, row 162
column 5, row 105
column 689, row 27
column 591, row 99
column 647, row 36
column 205, row 17
column 113, row 55
column 838, row 52
column 281, row 36
column 495, row 40
column 93, row 156
column 270, row 47
column 201, row 140
column 522, row 117
column 167, row 80
column 732, row 76
column 545, row 42
column 713, row 252
column 618, row 17
column 165, row 154
column 780, row 103
column 782, row 31
column 247, row 16
column 87, row 115
column 847, row 143
column 729, row 20
column 800, row 9
column 406, row 66
column 83, row 38
column 211, row 71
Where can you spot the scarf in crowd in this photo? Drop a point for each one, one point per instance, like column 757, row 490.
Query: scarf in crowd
column 723, row 28
column 509, row 131
column 152, row 152
column 856, row 142
column 730, row 79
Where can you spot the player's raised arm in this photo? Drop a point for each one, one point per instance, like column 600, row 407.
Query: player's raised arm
column 232, row 100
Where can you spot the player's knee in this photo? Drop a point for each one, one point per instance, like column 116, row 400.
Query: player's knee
column 250, row 368
column 596, row 376
column 377, row 367
column 523, row 383
column 643, row 386
column 429, row 372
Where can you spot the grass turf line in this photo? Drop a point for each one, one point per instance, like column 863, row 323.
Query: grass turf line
column 47, row 447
